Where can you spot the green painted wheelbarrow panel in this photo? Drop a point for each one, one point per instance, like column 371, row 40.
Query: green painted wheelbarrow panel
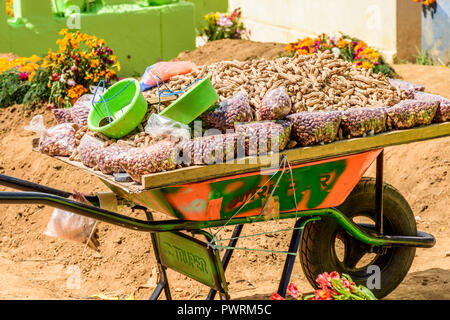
column 192, row 258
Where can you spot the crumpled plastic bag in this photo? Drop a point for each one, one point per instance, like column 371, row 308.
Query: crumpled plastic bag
column 165, row 71
column 74, row 227
column 161, row 128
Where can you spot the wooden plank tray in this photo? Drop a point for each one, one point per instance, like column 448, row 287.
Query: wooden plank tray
column 295, row 156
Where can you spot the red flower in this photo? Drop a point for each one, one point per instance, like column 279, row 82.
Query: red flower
column 24, row 76
column 334, row 275
column 56, row 76
column 293, row 291
column 323, row 294
column 323, row 280
column 276, row 296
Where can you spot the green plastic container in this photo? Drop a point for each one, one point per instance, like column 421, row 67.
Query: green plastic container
column 160, row 2
column 127, row 109
column 193, row 103
column 62, row 5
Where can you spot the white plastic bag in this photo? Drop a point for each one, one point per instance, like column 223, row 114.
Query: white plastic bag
column 160, row 127
column 74, row 227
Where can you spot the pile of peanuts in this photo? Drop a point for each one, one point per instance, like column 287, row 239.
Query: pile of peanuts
column 317, row 82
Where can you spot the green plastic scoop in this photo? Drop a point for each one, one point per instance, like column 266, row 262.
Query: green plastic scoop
column 193, row 103
column 120, row 111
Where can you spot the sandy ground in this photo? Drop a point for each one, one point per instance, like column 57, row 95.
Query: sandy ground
column 34, row 266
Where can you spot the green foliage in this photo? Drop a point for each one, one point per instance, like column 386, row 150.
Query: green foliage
column 38, row 91
column 13, row 90
column 424, row 59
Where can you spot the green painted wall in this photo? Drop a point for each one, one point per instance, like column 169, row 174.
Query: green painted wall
column 139, row 36
column 203, row 7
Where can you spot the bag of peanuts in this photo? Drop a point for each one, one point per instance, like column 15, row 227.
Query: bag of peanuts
column 161, row 156
column 74, row 227
column 108, row 159
column 88, row 150
column 55, row 141
column 411, row 113
column 276, row 105
column 208, row 150
column 310, row 128
column 228, row 112
column 409, row 87
column 357, row 122
column 262, row 137
column 443, row 110
column 78, row 114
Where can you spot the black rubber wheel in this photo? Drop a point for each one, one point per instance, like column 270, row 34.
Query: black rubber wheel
column 326, row 247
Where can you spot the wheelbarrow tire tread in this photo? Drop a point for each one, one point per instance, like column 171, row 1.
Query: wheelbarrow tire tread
column 314, row 251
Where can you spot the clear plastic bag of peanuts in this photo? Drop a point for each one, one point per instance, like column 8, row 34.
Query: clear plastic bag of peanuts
column 358, row 122
column 262, row 137
column 74, row 227
column 78, row 114
column 276, row 105
column 160, row 156
column 228, row 112
column 208, row 149
column 411, row 113
column 88, row 150
column 310, row 128
column 108, row 159
column 409, row 87
column 55, row 141
column 443, row 110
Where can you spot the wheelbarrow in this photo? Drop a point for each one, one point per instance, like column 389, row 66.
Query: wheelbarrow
column 322, row 187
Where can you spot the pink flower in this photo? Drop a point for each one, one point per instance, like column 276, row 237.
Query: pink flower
column 347, row 284
column 224, row 21
column 71, row 82
column 24, row 76
column 276, row 296
column 293, row 291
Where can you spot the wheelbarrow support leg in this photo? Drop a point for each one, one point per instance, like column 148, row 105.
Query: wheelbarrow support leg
column 290, row 259
column 379, row 194
column 163, row 280
column 227, row 256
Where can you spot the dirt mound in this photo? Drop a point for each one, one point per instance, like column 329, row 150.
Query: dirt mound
column 227, row 49
column 36, row 266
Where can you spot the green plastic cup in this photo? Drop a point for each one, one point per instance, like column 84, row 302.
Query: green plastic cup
column 127, row 108
column 193, row 103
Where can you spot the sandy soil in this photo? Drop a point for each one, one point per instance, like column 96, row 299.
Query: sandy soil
column 34, row 266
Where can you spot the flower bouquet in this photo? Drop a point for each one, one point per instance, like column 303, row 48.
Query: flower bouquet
column 224, row 26
column 332, row 286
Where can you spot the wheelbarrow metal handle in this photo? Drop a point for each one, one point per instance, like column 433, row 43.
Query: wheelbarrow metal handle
column 23, row 185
